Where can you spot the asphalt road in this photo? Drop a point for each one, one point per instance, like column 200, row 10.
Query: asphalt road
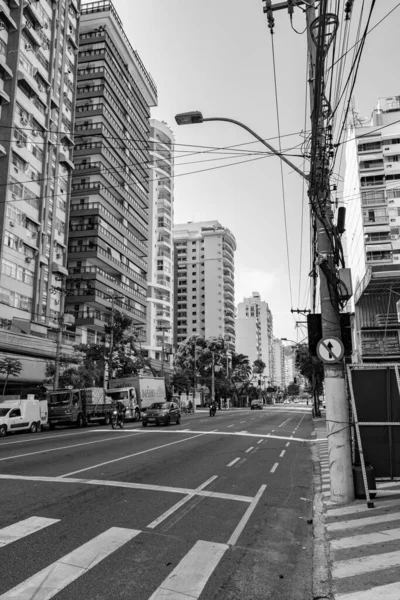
column 215, row 508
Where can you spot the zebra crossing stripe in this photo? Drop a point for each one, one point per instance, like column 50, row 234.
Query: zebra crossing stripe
column 54, row 578
column 378, row 537
column 344, row 525
column 19, row 530
column 188, row 579
column 381, row 592
column 366, row 564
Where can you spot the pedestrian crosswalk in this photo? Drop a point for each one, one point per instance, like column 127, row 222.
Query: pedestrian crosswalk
column 363, row 542
column 185, row 582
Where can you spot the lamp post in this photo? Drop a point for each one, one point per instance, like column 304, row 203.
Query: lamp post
column 194, row 117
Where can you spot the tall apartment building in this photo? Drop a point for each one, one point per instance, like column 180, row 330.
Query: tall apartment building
column 204, row 281
column 280, row 375
column 38, row 62
column 108, row 234
column 254, row 332
column 160, row 300
column 372, row 198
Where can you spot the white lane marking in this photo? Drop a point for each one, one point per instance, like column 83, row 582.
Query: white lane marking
column 176, row 506
column 231, row 426
column 253, row 418
column 129, row 485
column 19, row 530
column 287, row 444
column 381, row 592
column 166, row 431
column 58, row 448
column 249, row 449
column 335, row 511
column 260, row 441
column 243, row 421
column 188, row 579
column 379, row 537
column 242, row 523
column 235, row 460
column 43, row 438
column 284, row 422
column 365, row 564
column 372, row 520
column 54, row 578
column 274, row 468
column 114, row 460
column 282, row 453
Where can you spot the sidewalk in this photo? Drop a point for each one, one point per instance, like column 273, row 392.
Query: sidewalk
column 364, row 543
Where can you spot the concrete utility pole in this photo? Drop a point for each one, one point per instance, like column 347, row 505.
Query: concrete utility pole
column 212, row 378
column 321, row 31
column 194, row 376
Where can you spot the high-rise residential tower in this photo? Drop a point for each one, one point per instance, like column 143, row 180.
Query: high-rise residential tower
column 160, row 300
column 280, row 375
column 38, row 62
column 371, row 195
column 254, row 332
column 108, row 238
column 204, row 281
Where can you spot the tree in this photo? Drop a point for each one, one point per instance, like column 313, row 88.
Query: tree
column 312, row 369
column 259, row 366
column 10, row 366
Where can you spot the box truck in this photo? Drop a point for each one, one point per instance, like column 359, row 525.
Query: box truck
column 137, row 393
column 22, row 415
column 78, row 407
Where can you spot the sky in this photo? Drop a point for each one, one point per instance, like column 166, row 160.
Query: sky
column 216, row 56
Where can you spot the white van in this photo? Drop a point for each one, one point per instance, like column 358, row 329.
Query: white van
column 20, row 415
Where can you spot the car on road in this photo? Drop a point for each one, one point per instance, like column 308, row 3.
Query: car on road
column 256, row 404
column 161, row 413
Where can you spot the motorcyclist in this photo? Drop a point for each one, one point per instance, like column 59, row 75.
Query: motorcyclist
column 190, row 406
column 213, row 408
column 121, row 409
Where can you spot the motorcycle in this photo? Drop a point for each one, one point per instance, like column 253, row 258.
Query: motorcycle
column 213, row 411
column 117, row 419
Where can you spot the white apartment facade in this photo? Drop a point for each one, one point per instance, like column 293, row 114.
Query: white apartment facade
column 160, row 300
column 254, row 332
column 204, row 281
column 371, row 195
column 280, row 375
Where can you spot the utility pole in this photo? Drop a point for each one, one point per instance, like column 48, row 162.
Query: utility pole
column 113, row 299
column 58, row 353
column 212, row 378
column 321, row 31
column 194, row 376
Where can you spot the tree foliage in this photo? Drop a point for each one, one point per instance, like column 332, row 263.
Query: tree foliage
column 259, row 366
column 10, row 366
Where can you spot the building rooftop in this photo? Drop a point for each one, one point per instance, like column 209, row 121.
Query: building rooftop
column 107, row 6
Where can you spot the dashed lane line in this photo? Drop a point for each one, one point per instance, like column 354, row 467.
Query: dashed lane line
column 234, row 461
column 274, row 468
column 260, row 441
column 250, row 449
column 287, row 444
column 282, row 454
column 231, row 426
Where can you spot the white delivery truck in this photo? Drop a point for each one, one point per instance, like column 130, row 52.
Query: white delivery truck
column 22, row 415
column 137, row 393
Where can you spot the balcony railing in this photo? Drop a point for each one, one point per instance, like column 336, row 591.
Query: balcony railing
column 376, row 219
column 99, row 250
column 105, row 275
column 96, row 227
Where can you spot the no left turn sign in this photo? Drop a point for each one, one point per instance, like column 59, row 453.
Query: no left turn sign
column 330, row 349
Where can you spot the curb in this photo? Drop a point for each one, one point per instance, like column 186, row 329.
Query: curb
column 321, row 574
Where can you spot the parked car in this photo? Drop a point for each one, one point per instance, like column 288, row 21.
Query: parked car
column 161, row 412
column 256, row 404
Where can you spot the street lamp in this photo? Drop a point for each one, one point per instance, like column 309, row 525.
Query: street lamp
column 195, row 117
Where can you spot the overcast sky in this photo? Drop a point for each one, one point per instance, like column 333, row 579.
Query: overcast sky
column 215, row 56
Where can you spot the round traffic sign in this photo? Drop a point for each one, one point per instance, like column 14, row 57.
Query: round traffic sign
column 330, row 349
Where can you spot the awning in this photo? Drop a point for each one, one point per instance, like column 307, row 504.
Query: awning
column 379, row 248
column 5, row 98
column 377, row 229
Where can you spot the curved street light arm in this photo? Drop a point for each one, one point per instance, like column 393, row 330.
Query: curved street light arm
column 260, row 139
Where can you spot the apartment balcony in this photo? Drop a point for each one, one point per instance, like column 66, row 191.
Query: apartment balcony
column 6, row 17
column 96, row 187
column 94, row 319
column 95, row 230
column 92, row 274
column 373, row 198
column 101, row 257
column 372, row 220
column 228, row 286
column 95, row 296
